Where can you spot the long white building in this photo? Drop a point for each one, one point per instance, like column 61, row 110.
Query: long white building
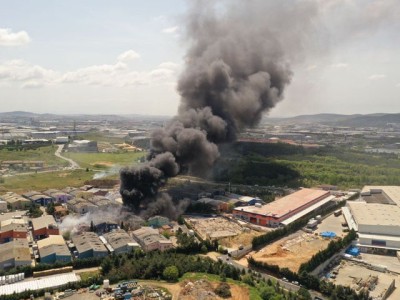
column 376, row 218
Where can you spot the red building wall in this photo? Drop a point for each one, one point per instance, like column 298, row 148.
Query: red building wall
column 11, row 234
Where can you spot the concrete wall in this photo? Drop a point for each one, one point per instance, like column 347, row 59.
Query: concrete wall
column 389, row 244
column 377, row 229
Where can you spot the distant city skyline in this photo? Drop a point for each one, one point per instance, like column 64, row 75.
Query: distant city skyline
column 125, row 57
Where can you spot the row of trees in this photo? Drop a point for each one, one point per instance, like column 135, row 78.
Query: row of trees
column 262, row 240
column 157, row 265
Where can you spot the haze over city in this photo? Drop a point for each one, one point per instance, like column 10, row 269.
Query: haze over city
column 126, row 57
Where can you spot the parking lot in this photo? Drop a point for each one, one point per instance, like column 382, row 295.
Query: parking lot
column 332, row 223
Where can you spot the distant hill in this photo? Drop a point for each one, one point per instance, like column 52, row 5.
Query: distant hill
column 356, row 120
column 110, row 117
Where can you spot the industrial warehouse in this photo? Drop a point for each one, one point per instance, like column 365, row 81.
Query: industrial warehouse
column 375, row 216
column 284, row 210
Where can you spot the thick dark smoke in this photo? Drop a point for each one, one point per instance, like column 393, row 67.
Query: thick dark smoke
column 235, row 71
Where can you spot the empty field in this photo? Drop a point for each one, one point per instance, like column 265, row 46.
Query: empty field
column 104, row 160
column 290, row 252
column 45, row 154
column 44, row 181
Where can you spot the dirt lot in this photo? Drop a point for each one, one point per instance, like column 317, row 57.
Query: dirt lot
column 204, row 290
column 291, row 251
column 244, row 239
column 357, row 276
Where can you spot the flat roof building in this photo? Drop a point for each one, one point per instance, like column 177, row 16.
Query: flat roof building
column 274, row 213
column 376, row 218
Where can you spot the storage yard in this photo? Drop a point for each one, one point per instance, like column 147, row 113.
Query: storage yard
column 358, row 276
column 291, row 251
column 230, row 232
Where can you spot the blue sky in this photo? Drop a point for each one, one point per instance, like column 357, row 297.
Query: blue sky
column 98, row 56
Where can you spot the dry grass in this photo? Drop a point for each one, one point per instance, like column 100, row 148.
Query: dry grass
column 291, row 251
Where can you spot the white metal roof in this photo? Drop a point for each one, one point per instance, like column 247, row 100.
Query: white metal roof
column 38, row 284
column 375, row 214
column 349, row 218
column 307, row 210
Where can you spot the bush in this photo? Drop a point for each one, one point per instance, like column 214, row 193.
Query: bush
column 171, row 274
column 223, row 290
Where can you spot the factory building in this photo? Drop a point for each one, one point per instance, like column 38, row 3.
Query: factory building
column 375, row 216
column 58, row 196
column 38, row 198
column 158, row 221
column 284, row 210
column 44, row 226
column 119, row 241
column 88, row 244
column 53, row 249
column 150, row 239
column 104, row 226
column 81, row 206
column 13, row 229
column 14, row 254
column 15, row 201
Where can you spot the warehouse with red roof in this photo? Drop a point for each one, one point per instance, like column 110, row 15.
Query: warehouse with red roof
column 275, row 213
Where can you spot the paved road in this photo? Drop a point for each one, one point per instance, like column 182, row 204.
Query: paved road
column 286, row 284
column 73, row 164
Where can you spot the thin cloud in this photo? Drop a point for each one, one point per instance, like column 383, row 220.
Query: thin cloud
column 171, row 30
column 9, row 38
column 169, row 65
column 398, row 85
column 128, row 56
column 339, row 65
column 377, row 77
column 32, row 85
column 311, row 67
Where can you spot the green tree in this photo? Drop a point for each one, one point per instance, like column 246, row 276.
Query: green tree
column 171, row 273
column 35, row 211
column 267, row 292
column 50, row 208
column 304, row 294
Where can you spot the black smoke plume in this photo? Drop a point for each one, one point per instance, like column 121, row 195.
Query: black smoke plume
column 235, row 71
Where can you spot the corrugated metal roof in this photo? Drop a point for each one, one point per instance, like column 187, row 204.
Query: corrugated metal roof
column 38, row 284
